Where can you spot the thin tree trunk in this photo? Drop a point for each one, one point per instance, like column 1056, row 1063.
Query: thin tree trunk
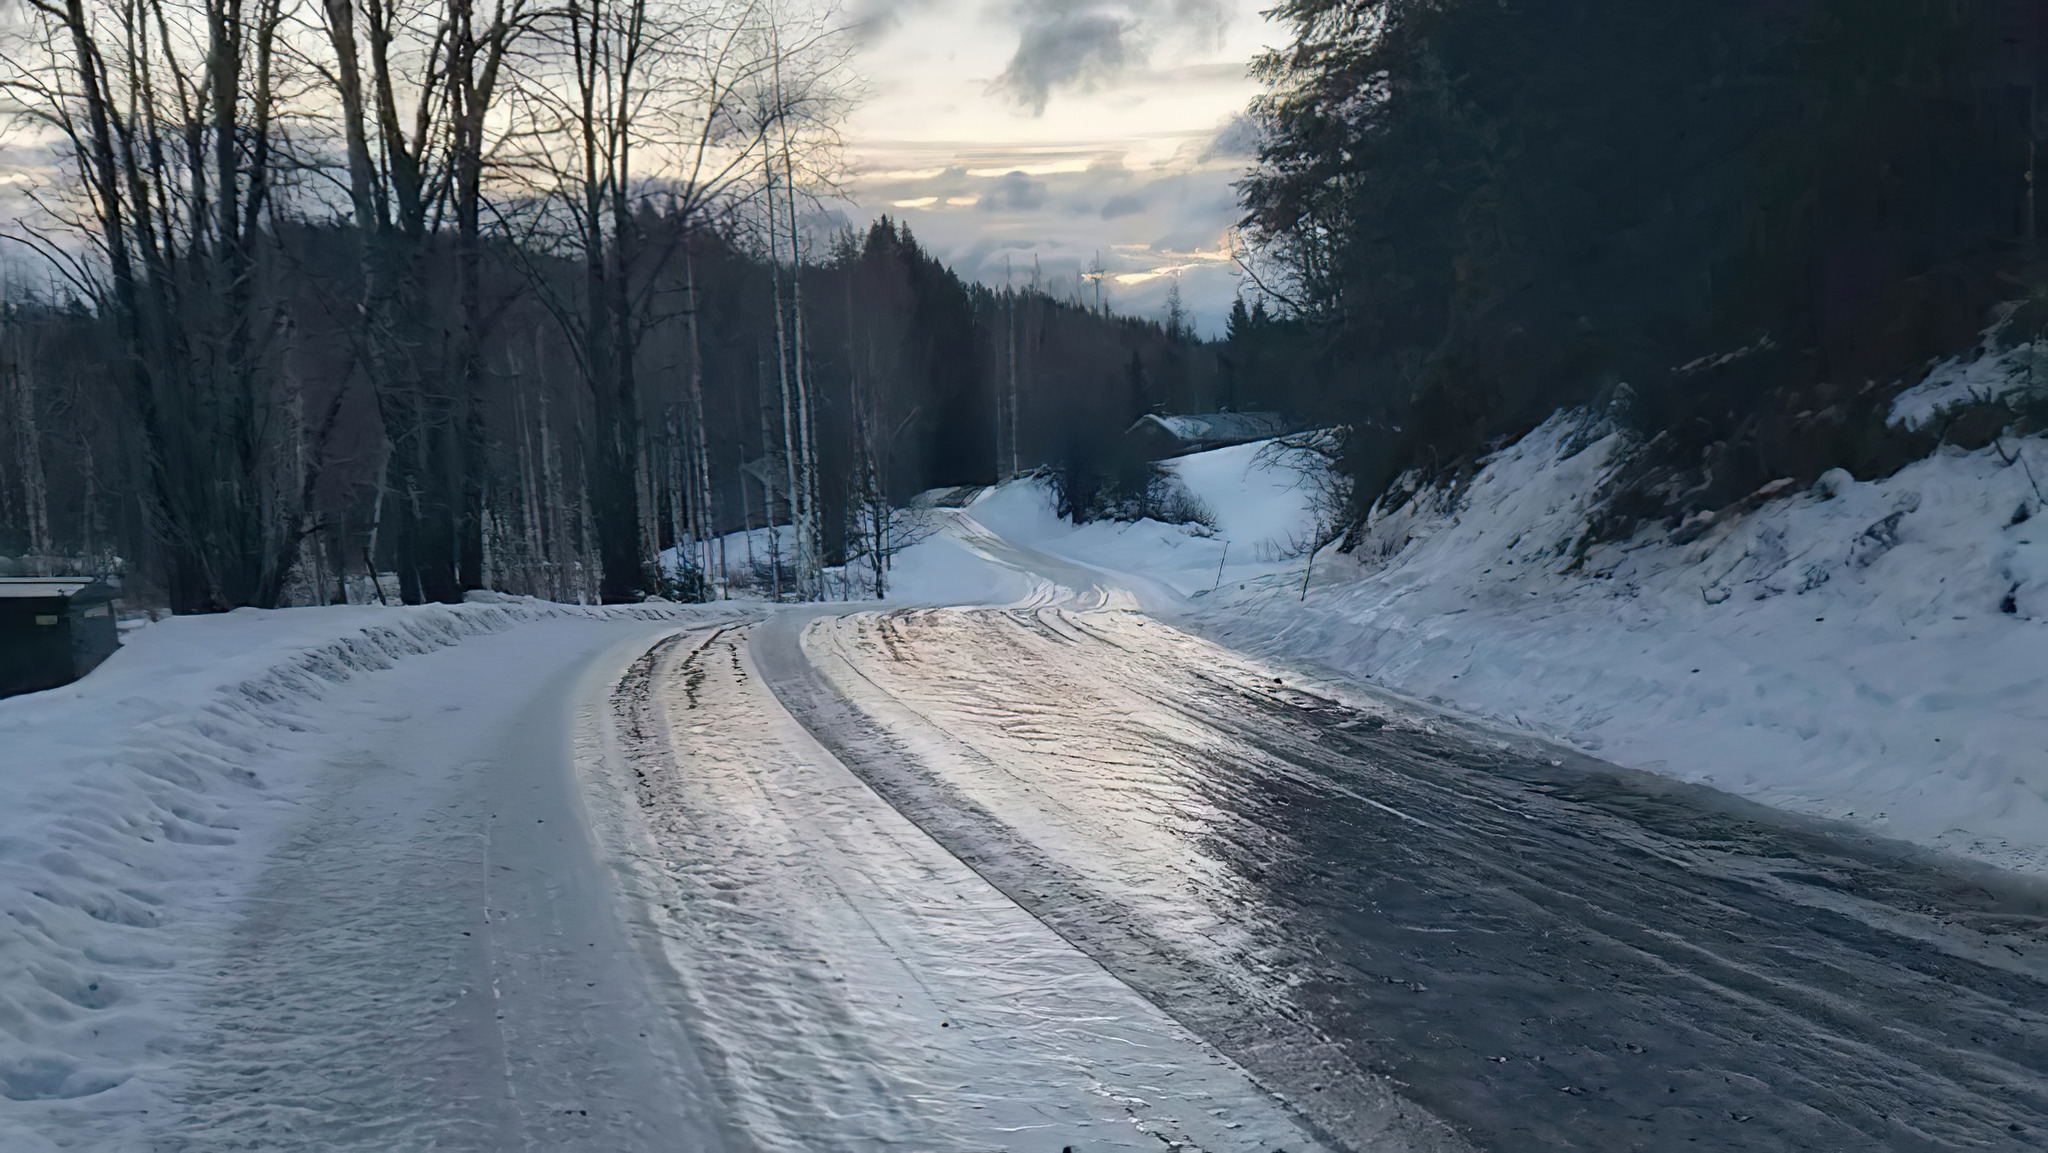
column 35, row 485
column 1016, row 408
column 810, row 562
column 789, row 423
column 377, row 524
column 767, row 457
column 706, row 515
column 555, row 498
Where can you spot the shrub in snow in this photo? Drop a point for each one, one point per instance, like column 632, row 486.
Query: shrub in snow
column 1833, row 483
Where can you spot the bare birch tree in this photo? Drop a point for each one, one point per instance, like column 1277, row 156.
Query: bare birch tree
column 650, row 128
column 418, row 148
column 169, row 116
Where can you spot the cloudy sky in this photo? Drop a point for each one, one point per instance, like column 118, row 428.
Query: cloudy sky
column 1008, row 130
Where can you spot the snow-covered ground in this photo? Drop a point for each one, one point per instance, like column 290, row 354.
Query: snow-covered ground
column 207, row 841
column 137, row 792
column 1986, row 374
column 1260, row 500
column 1870, row 651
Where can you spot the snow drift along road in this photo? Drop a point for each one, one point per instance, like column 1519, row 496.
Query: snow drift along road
column 1865, row 651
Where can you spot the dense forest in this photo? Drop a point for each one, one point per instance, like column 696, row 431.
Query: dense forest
column 515, row 299
column 1738, row 227
column 525, row 297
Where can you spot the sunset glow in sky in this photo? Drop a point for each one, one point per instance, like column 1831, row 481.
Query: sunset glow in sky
column 1007, row 130
column 1004, row 132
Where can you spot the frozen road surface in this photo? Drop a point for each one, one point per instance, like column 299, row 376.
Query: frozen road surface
column 1371, row 909
column 849, row 983
column 572, row 885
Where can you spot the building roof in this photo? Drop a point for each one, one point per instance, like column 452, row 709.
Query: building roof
column 29, row 587
column 956, row 497
column 1215, row 429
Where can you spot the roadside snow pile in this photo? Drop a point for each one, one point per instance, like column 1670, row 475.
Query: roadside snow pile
column 1258, row 495
column 140, row 802
column 1866, row 651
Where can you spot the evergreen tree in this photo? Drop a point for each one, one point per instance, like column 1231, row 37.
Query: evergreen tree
column 1486, row 209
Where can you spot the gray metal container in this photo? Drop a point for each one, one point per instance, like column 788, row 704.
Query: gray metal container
column 53, row 630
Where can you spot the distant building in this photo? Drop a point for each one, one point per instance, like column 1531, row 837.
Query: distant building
column 53, row 630
column 1158, row 437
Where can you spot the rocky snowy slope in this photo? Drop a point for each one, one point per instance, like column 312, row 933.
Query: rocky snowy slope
column 1871, row 651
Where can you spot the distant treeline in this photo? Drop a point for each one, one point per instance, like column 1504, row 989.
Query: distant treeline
column 1739, row 226
column 910, row 372
column 506, row 295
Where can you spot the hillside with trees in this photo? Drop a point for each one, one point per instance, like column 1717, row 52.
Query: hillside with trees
column 526, row 298
column 1738, row 228
column 494, row 297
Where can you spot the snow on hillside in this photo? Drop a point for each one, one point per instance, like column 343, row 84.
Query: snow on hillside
column 1989, row 373
column 1259, row 499
column 1871, row 651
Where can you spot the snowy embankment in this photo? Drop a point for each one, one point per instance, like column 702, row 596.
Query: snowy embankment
column 1870, row 651
column 142, row 803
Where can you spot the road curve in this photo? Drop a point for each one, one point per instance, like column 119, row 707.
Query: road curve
column 1425, row 936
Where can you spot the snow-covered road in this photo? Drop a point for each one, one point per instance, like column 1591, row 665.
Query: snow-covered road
column 853, row 986
column 321, row 879
column 520, row 877
column 432, row 955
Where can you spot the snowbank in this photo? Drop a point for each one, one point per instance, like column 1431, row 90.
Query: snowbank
column 1864, row 651
column 1258, row 497
column 140, row 801
column 941, row 570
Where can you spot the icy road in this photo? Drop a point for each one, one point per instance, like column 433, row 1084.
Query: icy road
column 1364, row 905
column 1368, row 907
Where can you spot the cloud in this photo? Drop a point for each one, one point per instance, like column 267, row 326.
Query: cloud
column 870, row 20
column 1065, row 48
column 1201, row 19
column 1016, row 192
column 1084, row 44
column 1128, row 204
